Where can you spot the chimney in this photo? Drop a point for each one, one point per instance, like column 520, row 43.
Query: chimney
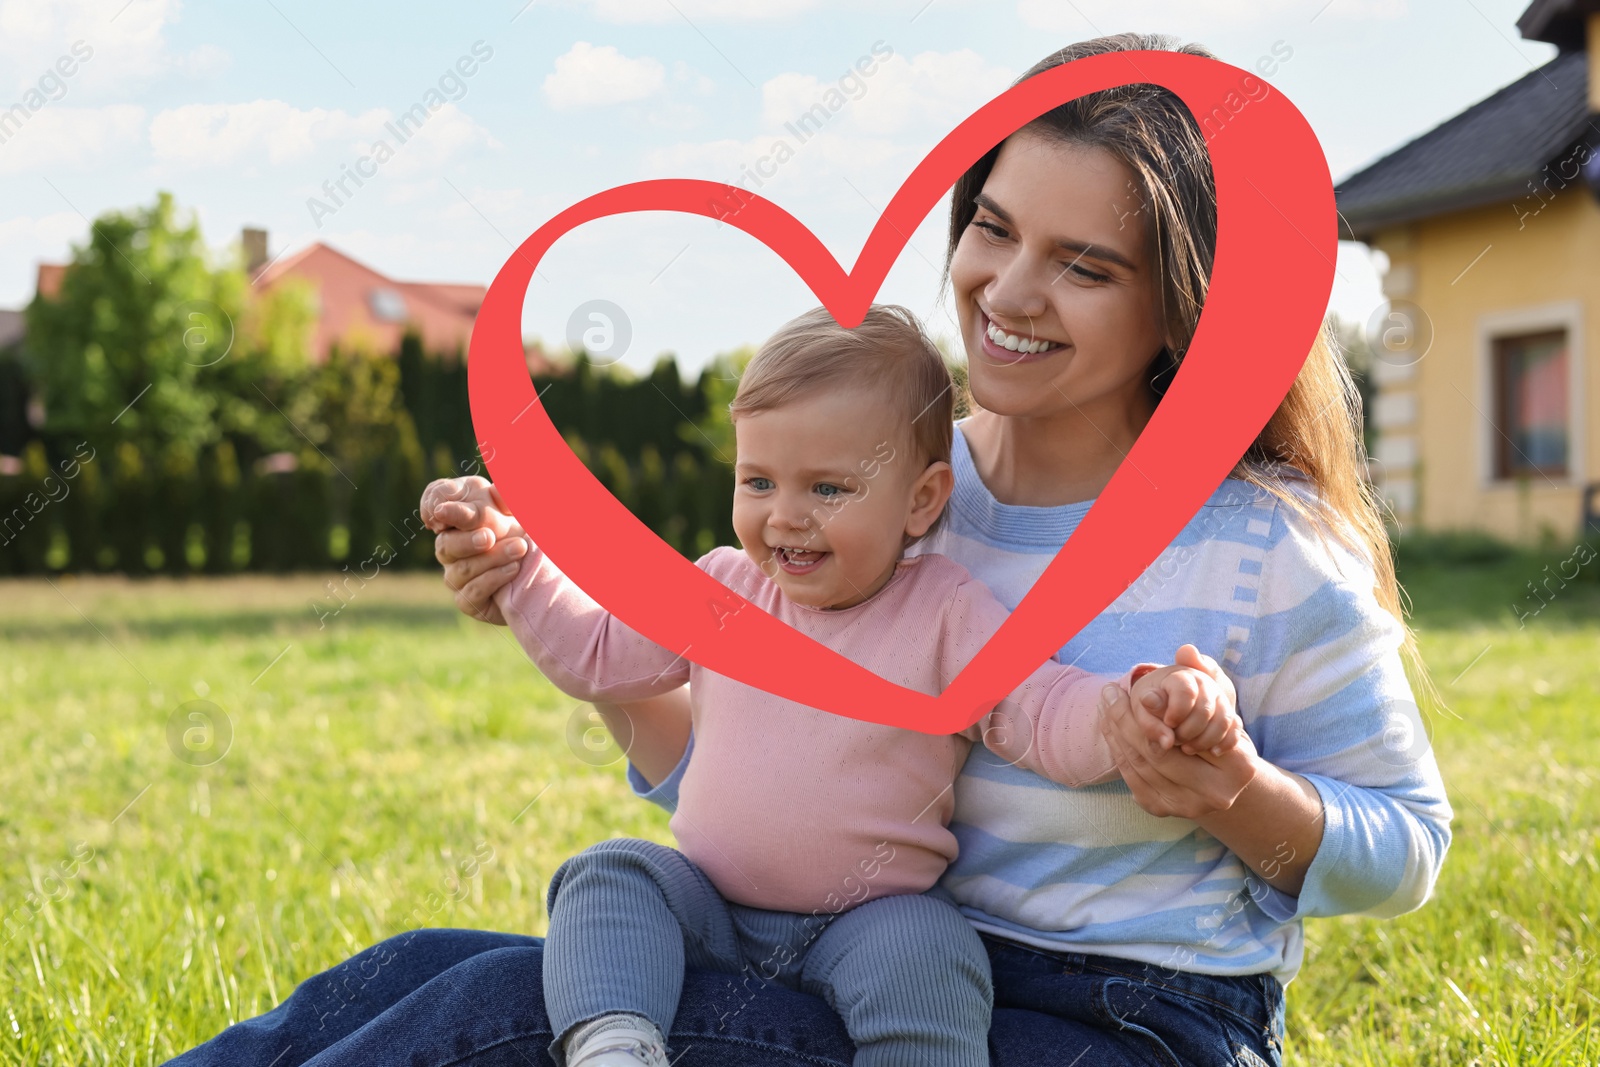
column 255, row 250
column 51, row 276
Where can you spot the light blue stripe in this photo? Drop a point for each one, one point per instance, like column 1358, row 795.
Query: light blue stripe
column 1243, row 531
column 1028, row 864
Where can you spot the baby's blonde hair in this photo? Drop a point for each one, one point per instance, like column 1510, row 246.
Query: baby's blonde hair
column 888, row 353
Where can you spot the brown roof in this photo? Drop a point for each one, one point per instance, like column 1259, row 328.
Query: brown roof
column 356, row 303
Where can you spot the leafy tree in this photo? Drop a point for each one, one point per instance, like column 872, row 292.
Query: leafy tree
column 1358, row 357
column 148, row 344
column 14, row 388
column 719, row 380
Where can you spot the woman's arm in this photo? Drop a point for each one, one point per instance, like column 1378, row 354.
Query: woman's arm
column 1269, row 818
column 1274, row 826
column 1328, row 706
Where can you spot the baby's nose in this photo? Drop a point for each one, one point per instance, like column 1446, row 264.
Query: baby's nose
column 790, row 516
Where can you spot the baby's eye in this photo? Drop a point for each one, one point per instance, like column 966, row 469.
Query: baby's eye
column 827, row 489
column 759, row 484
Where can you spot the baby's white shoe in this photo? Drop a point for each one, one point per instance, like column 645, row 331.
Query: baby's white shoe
column 621, row 1040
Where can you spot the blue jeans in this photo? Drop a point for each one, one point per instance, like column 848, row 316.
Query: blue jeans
column 907, row 973
column 472, row 998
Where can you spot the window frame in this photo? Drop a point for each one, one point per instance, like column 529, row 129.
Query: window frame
column 1565, row 316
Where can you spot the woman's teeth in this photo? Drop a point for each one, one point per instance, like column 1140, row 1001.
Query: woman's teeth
column 1018, row 344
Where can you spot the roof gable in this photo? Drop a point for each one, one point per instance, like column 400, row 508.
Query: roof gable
column 1489, row 152
column 1562, row 23
column 357, row 300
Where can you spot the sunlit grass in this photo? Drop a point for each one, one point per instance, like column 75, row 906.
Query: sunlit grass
column 152, row 898
column 1500, row 967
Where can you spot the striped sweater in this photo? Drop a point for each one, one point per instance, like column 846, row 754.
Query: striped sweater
column 1291, row 616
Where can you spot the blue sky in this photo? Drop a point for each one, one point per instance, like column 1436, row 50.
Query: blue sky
column 245, row 109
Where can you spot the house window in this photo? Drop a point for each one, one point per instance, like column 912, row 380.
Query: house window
column 1532, row 390
column 387, row 305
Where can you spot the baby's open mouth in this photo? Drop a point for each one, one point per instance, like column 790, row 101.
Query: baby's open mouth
column 797, row 560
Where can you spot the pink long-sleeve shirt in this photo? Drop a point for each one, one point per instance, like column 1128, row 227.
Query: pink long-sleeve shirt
column 789, row 808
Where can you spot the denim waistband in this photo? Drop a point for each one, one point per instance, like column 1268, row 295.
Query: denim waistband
column 1253, row 997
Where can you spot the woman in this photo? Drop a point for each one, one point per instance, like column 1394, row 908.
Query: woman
column 1153, row 920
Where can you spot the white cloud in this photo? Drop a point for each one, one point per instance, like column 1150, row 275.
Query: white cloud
column 694, row 11
column 218, row 134
column 448, row 134
column 712, row 160
column 127, row 45
column 59, row 228
column 931, row 89
column 1205, row 19
column 883, row 119
column 55, row 137
column 698, row 83
column 206, row 61
column 499, row 205
column 30, row 241
column 327, row 146
column 626, row 11
column 588, row 76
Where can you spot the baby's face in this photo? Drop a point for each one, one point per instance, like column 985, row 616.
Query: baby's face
column 824, row 496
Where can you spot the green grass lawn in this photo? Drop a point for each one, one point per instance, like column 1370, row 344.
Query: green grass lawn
column 395, row 765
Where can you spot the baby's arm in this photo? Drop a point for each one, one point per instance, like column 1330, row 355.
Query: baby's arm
column 583, row 649
column 1048, row 724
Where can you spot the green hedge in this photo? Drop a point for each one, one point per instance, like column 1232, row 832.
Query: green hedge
column 79, row 510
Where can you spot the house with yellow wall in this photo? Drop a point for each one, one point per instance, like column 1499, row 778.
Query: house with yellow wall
column 1487, row 355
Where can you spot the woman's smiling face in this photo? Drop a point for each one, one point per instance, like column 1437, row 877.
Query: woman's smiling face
column 1056, row 258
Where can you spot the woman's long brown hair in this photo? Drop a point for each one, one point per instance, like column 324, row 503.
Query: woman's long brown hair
column 1315, row 433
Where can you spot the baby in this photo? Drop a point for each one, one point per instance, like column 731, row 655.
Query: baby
column 810, row 843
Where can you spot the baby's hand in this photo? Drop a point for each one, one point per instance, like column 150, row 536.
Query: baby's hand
column 1191, row 703
column 479, row 545
column 470, row 503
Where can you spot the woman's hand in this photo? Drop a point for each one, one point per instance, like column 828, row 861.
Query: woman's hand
column 1270, row 818
column 1194, row 699
column 1166, row 781
column 479, row 544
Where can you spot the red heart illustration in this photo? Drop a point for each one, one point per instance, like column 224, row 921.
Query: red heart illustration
column 1272, row 275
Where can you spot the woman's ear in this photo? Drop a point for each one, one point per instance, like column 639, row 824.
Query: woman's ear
column 1165, row 367
column 929, row 494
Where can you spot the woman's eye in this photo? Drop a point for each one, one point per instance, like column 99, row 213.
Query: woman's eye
column 1084, row 273
column 991, row 229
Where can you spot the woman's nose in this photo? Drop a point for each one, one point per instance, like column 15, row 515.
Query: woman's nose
column 1019, row 290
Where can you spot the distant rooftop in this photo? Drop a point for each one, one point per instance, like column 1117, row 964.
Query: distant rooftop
column 1490, row 152
column 355, row 299
column 1563, row 23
